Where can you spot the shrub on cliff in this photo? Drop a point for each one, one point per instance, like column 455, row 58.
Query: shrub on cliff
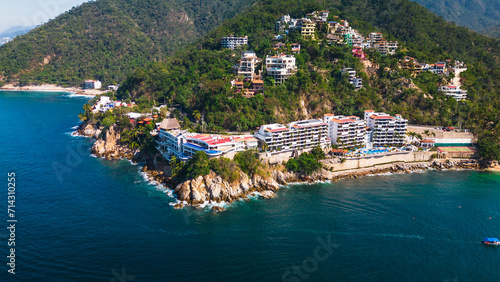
column 248, row 161
column 307, row 162
column 225, row 168
column 196, row 166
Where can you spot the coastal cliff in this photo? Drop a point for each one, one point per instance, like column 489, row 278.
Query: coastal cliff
column 107, row 143
column 213, row 189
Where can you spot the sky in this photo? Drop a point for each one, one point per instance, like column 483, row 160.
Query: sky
column 32, row 12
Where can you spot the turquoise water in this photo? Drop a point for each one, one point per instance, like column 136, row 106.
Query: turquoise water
column 87, row 219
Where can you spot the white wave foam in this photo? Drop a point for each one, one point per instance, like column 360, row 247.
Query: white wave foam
column 74, row 95
column 158, row 186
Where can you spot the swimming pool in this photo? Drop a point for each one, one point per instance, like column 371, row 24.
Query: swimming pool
column 374, row 151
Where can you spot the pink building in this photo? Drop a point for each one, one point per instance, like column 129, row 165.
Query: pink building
column 357, row 52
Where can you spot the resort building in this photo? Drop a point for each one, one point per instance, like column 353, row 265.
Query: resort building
column 346, row 132
column 297, row 135
column 307, row 29
column 280, row 67
column 246, row 65
column 92, row 84
column 386, row 47
column 183, row 145
column 233, row 42
column 454, row 91
column 385, row 129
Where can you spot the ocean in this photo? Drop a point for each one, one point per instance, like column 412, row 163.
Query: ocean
column 81, row 218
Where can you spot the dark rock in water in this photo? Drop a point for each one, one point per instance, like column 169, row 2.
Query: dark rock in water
column 218, row 209
column 178, row 206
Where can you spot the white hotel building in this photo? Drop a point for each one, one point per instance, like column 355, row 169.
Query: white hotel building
column 385, row 129
column 183, row 145
column 280, row 67
column 346, row 132
column 296, row 135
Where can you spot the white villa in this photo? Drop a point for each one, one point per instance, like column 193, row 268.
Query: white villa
column 280, row 67
column 246, row 65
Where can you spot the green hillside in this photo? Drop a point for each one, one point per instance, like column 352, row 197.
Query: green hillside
column 478, row 15
column 107, row 39
column 198, row 78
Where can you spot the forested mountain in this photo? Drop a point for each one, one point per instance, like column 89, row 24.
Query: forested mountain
column 198, row 78
column 478, row 15
column 107, row 39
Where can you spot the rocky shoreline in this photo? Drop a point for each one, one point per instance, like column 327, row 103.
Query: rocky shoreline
column 212, row 190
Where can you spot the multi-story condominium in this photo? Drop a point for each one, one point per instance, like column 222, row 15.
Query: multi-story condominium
column 183, row 145
column 375, row 37
column 92, row 84
column 308, row 29
column 385, row 129
column 297, row 135
column 280, row 67
column 233, row 42
column 454, row 91
column 386, row 47
column 246, row 66
column 353, row 79
column 346, row 132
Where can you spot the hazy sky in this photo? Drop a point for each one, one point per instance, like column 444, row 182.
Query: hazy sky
column 32, row 12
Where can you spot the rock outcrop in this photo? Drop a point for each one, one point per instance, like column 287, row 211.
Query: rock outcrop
column 212, row 188
column 109, row 147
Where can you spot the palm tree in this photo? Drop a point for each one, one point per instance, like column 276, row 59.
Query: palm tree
column 197, row 115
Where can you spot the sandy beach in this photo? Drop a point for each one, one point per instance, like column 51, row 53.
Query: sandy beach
column 51, row 87
column 494, row 168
